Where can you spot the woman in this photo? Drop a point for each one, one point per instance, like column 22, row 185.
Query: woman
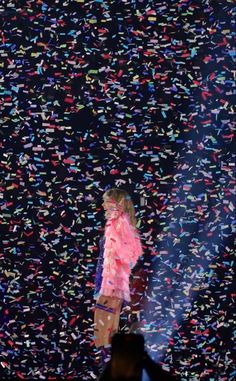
column 120, row 249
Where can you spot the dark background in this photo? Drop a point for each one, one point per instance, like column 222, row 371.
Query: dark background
column 132, row 94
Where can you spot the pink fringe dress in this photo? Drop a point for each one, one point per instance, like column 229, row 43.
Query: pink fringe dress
column 122, row 249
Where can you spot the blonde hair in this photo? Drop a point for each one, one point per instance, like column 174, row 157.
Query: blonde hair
column 119, row 195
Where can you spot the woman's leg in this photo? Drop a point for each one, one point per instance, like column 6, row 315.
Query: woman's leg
column 106, row 319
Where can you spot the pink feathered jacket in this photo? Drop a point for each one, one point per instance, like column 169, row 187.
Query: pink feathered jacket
column 122, row 249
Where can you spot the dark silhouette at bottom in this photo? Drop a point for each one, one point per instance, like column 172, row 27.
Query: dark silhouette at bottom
column 129, row 358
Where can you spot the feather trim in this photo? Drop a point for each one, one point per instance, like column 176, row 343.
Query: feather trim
column 122, row 249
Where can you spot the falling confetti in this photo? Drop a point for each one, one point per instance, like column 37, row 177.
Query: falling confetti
column 137, row 95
